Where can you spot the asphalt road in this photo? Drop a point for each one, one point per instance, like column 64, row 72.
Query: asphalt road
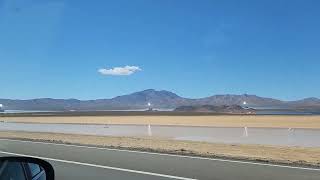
column 80, row 162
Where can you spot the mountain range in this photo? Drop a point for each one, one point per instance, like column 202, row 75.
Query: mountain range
column 158, row 99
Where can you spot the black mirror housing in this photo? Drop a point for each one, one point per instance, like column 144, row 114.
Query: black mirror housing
column 47, row 167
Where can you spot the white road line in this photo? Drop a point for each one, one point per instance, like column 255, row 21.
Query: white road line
column 99, row 166
column 164, row 154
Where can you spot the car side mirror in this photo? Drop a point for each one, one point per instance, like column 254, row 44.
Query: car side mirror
column 25, row 168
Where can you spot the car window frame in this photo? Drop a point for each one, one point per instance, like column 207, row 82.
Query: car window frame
column 28, row 171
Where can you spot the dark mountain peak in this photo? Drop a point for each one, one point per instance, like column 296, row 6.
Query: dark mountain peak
column 153, row 93
column 140, row 99
column 249, row 95
column 147, row 91
column 169, row 93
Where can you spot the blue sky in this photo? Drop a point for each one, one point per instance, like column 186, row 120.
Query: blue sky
column 68, row 48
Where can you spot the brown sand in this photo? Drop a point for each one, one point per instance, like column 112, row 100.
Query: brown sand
column 280, row 121
column 271, row 154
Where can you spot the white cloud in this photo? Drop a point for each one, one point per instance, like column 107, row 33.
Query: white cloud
column 119, row 71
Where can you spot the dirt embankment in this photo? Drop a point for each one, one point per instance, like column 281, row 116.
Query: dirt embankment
column 296, row 156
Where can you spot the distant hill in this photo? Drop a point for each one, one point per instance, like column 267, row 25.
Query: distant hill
column 225, row 109
column 306, row 103
column 228, row 99
column 158, row 99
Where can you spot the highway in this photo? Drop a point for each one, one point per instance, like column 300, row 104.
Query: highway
column 81, row 162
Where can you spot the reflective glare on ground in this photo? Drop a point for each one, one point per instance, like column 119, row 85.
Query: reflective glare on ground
column 265, row 136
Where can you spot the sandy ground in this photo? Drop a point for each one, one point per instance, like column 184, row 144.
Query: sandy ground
column 280, row 121
column 271, row 154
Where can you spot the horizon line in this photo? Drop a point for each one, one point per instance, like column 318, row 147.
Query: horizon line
column 219, row 94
